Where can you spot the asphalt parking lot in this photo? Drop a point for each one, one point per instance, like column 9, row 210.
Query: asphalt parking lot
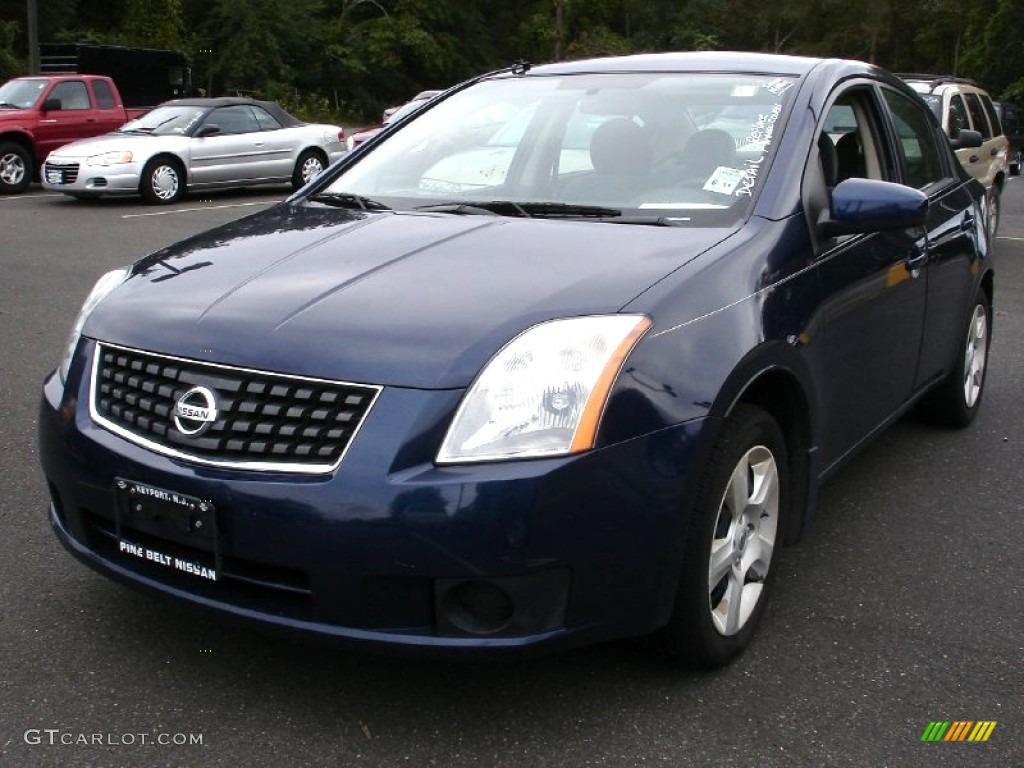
column 904, row 606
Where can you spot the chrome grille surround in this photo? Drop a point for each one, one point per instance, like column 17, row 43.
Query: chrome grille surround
column 268, row 421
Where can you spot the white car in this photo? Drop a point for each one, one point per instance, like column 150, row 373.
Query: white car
column 195, row 144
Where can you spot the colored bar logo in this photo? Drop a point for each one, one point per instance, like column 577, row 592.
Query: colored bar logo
column 958, row 730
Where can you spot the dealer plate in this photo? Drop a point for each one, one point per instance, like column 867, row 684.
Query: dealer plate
column 165, row 514
column 167, row 528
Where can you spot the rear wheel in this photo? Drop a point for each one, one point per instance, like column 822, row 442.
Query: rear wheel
column 163, row 181
column 732, row 541
column 311, row 163
column 15, row 168
column 956, row 400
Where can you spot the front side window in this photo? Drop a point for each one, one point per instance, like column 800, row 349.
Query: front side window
column 957, row 116
column 234, row 120
column 918, row 143
column 689, row 148
column 73, row 95
column 849, row 141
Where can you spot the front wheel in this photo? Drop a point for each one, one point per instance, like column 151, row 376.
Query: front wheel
column 732, row 543
column 163, row 181
column 15, row 168
column 955, row 402
column 310, row 164
column 993, row 214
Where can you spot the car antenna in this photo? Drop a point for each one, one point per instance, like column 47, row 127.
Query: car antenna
column 520, row 67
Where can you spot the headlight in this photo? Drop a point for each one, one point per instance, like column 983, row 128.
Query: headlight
column 103, row 286
column 109, row 158
column 544, row 392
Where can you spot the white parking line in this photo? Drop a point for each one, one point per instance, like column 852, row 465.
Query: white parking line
column 193, row 210
column 15, row 198
column 1006, row 237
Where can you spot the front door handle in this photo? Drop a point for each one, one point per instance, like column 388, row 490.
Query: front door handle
column 972, row 159
column 968, row 223
column 916, row 260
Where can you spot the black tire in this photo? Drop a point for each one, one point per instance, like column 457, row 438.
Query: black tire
column 994, row 211
column 163, row 181
column 955, row 402
column 311, row 163
column 15, row 168
column 1015, row 162
column 698, row 634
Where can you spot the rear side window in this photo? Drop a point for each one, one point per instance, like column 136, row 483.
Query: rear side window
column 993, row 116
column 918, row 142
column 978, row 115
column 104, row 96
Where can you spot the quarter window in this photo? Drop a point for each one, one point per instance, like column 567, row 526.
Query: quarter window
column 918, row 143
column 267, row 121
column 104, row 96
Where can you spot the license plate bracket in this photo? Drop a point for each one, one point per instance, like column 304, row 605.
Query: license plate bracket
column 155, row 524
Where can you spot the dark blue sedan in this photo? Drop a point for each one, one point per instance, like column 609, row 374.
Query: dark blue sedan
column 564, row 357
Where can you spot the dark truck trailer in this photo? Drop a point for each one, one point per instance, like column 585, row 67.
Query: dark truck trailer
column 144, row 76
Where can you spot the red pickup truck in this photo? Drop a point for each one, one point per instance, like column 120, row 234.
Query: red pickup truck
column 42, row 112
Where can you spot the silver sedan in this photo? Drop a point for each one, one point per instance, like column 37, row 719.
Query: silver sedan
column 195, row 144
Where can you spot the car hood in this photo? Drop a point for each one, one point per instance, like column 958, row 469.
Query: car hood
column 114, row 142
column 404, row 299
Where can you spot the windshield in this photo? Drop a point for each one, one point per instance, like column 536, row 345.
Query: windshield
column 163, row 121
column 934, row 103
column 684, row 148
column 21, row 93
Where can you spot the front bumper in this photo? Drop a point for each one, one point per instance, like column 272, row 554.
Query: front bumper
column 390, row 551
column 73, row 176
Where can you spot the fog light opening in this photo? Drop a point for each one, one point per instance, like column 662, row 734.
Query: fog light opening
column 477, row 607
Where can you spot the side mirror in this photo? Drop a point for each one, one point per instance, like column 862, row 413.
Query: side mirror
column 867, row 205
column 52, row 105
column 966, row 139
column 210, row 129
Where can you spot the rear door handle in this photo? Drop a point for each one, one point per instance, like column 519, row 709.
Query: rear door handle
column 994, row 151
column 973, row 159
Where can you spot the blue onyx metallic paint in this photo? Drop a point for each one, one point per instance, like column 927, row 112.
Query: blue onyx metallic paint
column 831, row 333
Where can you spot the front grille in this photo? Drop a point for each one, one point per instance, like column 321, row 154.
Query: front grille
column 263, row 421
column 60, row 173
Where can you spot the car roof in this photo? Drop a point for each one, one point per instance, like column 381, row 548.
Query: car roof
column 272, row 107
column 693, row 61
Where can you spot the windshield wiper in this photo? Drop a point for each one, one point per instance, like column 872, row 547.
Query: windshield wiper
column 494, row 208
column 648, row 221
column 7, row 104
column 525, row 210
column 568, row 210
column 347, row 200
column 134, row 130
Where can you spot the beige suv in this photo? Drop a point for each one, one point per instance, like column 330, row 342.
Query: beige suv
column 961, row 105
